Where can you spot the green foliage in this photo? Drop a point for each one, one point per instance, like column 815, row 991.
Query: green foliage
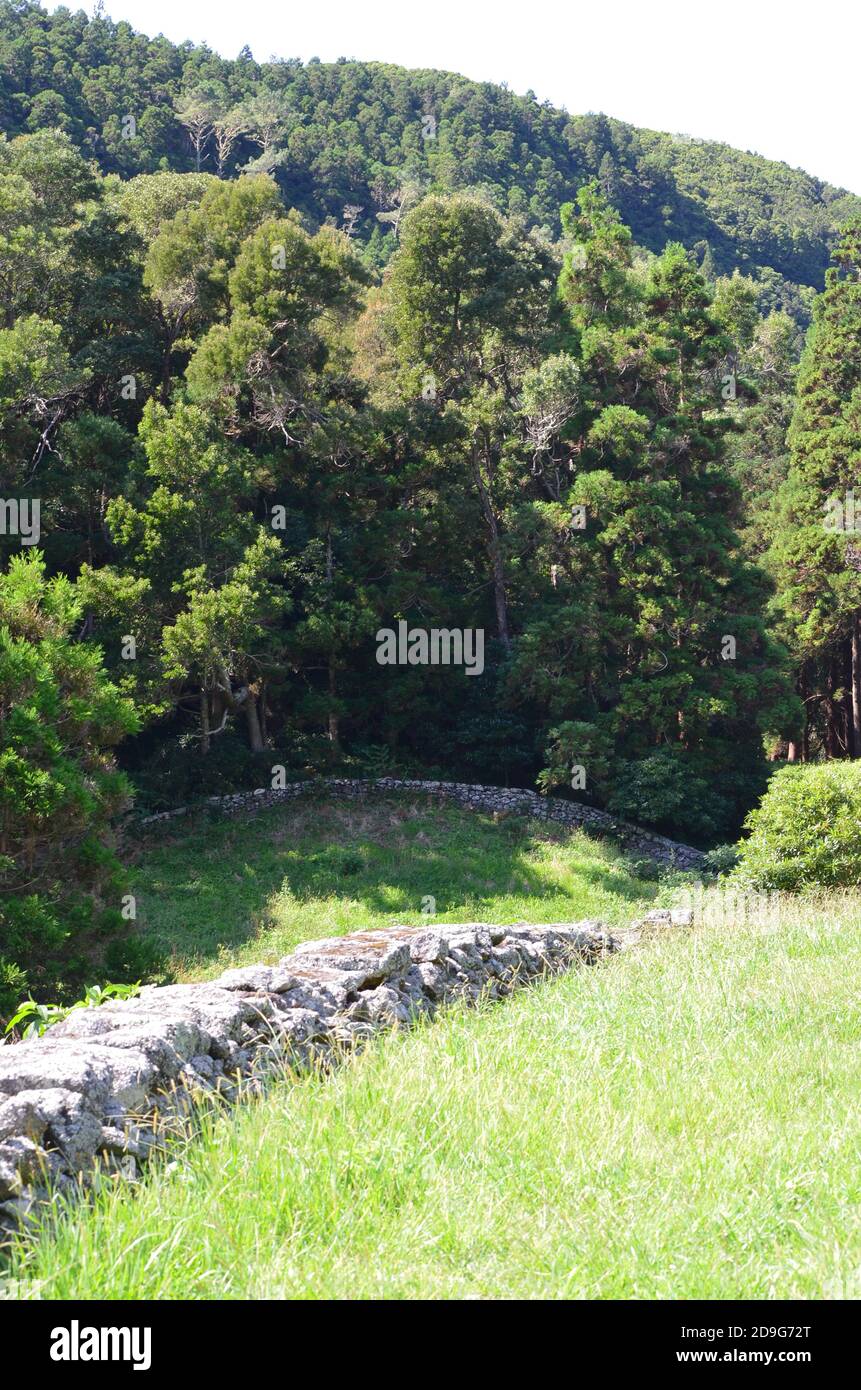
column 807, row 830
column 669, row 790
column 814, row 554
column 351, row 133
column 558, row 419
column 577, row 744
column 58, row 787
column 649, row 870
column 374, row 760
column 722, row 859
column 350, row 864
column 655, row 577
column 253, row 451
column 38, row 1018
column 170, row 772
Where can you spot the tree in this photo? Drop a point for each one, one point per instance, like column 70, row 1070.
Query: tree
column 228, row 128
column 221, row 639
column 263, row 117
column 197, row 112
column 188, row 263
column 339, row 129
column 396, row 202
column 683, row 664
column 608, row 176
column 815, row 556
column 60, row 717
column 469, row 297
column 201, row 584
column 552, row 393
column 283, row 286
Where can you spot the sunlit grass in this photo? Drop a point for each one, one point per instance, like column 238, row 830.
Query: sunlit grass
column 682, row 1121
column 225, row 892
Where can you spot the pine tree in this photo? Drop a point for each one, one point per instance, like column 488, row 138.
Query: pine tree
column 687, row 680
column 468, row 298
column 816, row 555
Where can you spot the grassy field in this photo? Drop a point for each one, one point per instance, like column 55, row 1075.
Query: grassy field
column 681, row 1121
column 224, row 892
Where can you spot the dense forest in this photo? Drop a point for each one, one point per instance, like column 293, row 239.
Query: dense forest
column 293, row 355
column 358, row 143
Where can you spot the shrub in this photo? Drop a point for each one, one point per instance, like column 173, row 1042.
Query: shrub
column 350, row 863
column 721, row 860
column 669, row 791
column 807, row 830
column 648, row 870
column 693, row 795
column 32, row 1019
column 60, row 880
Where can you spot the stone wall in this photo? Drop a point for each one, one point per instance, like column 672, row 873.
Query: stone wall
column 501, row 800
column 98, row 1092
column 101, row 1090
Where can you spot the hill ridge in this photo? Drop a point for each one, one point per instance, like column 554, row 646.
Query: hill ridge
column 345, row 134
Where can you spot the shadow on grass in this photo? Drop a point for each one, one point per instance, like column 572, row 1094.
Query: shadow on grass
column 214, row 884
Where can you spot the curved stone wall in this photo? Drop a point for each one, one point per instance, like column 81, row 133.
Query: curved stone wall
column 97, row 1092
column 499, row 800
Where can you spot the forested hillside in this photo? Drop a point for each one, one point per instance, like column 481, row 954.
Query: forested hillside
column 356, row 419
column 362, row 141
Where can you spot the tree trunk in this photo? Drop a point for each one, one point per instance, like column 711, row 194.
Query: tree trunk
column 844, row 668
column 204, row 721
column 216, row 711
column 804, row 692
column 499, row 595
column 856, row 686
column 165, row 371
column 792, row 751
column 334, row 731
column 252, row 714
column 836, row 724
column 494, row 551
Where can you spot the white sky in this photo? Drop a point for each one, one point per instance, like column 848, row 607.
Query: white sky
column 775, row 76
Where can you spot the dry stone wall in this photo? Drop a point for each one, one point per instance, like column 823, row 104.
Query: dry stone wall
column 500, row 800
column 99, row 1091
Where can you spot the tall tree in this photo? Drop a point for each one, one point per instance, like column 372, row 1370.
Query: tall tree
column 816, row 554
column 197, row 112
column 469, row 301
column 684, row 663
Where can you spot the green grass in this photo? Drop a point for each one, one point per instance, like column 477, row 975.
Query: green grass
column 682, row 1121
column 228, row 892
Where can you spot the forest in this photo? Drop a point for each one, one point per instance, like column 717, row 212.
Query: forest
column 293, row 354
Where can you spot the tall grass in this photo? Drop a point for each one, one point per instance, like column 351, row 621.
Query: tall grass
column 683, row 1121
